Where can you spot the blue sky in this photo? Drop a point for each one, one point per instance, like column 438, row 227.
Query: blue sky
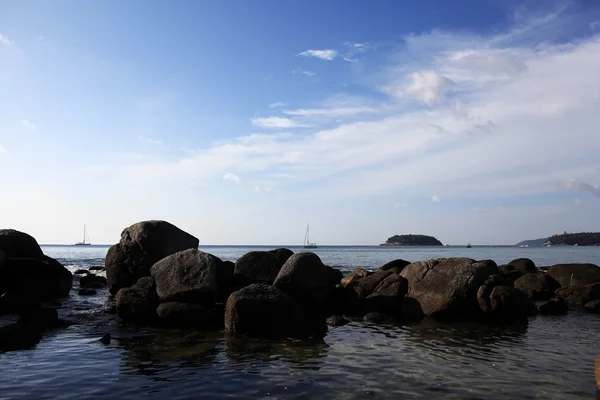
column 240, row 121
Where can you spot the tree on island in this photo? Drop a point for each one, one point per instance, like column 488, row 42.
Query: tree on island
column 412, row 240
column 581, row 238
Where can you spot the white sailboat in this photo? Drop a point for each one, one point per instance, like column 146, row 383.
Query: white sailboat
column 307, row 243
column 84, row 243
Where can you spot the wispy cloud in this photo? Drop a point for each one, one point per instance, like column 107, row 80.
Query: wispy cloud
column 276, row 122
column 28, row 124
column 435, row 198
column 2, row 150
column 257, row 188
column 277, row 104
column 303, row 72
column 583, row 186
column 332, row 112
column 578, row 202
column 594, row 25
column 397, row 206
column 322, row 54
column 147, row 139
column 4, row 40
column 232, row 177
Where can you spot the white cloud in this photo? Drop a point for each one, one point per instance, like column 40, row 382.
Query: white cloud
column 426, row 86
column 594, row 25
column 399, row 205
column 149, row 140
column 331, row 112
column 304, row 72
column 276, row 122
column 232, row 177
column 322, row 54
column 257, row 188
column 435, row 198
column 2, row 150
column 28, row 124
column 578, row 202
column 277, row 104
column 4, row 40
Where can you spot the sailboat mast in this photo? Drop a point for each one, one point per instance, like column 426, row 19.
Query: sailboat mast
column 83, row 233
column 306, row 237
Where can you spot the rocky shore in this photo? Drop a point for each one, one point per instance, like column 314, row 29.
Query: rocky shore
column 156, row 276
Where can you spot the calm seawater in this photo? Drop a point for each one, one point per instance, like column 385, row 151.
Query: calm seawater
column 550, row 358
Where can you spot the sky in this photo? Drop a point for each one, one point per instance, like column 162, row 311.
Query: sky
column 474, row 121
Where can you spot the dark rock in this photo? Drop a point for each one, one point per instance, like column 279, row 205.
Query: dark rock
column 538, row 285
column 334, row 276
column 305, row 279
column 105, row 339
column 175, row 314
column 336, row 320
column 260, row 266
column 40, row 319
column 90, row 280
column 510, row 304
column 576, row 295
column 17, row 244
column 485, row 290
column 141, row 246
column 447, row 288
column 86, row 292
column 18, row 336
column 593, row 306
column 411, row 310
column 356, row 274
column 363, row 287
column 225, row 280
column 576, row 274
column 189, row 276
column 388, row 296
column 2, row 257
column 81, row 272
column 517, row 268
column 554, row 307
column 396, row 266
column 377, row 318
column 97, row 268
column 138, row 303
column 262, row 310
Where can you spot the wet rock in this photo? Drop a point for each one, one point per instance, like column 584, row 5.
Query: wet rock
column 517, row 268
column 138, row 303
column 510, row 304
column 388, row 296
column 17, row 244
column 411, row 310
column 576, row 295
column 377, row 318
column 174, row 314
column 593, row 306
column 2, row 257
column 86, row 292
column 554, row 307
column 92, row 281
column 363, row 287
column 485, row 290
column 576, row 274
column 356, row 274
column 40, row 319
column 260, row 266
column 18, row 336
column 105, row 339
column 337, row 320
column 81, row 272
column 447, row 288
column 538, row 285
column 141, row 246
column 97, row 268
column 225, row 281
column 261, row 310
column 305, row 279
column 189, row 276
column 597, row 371
column 395, row 266
column 334, row 276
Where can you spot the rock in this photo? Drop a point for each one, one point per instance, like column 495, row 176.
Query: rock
column 2, row 257
column 81, row 272
column 396, row 266
column 593, row 306
column 388, row 296
column 175, row 314
column 537, row 285
column 576, row 295
column 40, row 319
column 138, row 303
column 485, row 290
column 189, row 276
column 554, row 307
column 336, row 320
column 105, row 339
column 447, row 288
column 582, row 274
column 225, row 280
column 86, row 292
column 517, row 268
column 261, row 310
column 305, row 279
column 597, row 371
column 411, row 310
column 356, row 274
column 141, row 246
column 377, row 318
column 92, row 280
column 510, row 304
column 18, row 336
column 260, row 266
column 334, row 276
column 363, row 287
column 17, row 244
column 97, row 268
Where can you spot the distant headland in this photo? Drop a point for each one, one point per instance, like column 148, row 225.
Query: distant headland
column 566, row 239
column 412, row 240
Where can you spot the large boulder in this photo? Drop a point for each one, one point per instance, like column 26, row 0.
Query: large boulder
column 141, row 246
column 18, row 336
column 174, row 314
column 363, row 287
column 225, row 280
column 92, row 281
column 189, row 276
column 2, row 257
column 261, row 310
column 358, row 273
column 17, row 244
column 485, row 290
column 138, row 303
column 334, row 276
column 396, row 266
column 447, row 288
column 517, row 268
column 576, row 295
column 537, row 285
column 260, row 266
column 510, row 304
column 305, row 279
column 388, row 296
column 575, row 274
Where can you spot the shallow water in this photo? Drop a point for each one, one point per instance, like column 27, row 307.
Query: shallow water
column 550, row 358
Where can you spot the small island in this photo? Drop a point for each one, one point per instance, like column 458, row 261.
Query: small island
column 412, row 240
column 576, row 239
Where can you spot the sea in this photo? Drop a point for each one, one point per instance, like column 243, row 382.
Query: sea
column 552, row 357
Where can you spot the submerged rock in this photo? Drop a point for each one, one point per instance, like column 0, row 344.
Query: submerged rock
column 141, row 246
column 92, row 281
column 86, row 292
column 18, row 336
column 554, row 307
column 377, row 318
column 336, row 320
column 592, row 306
column 17, row 244
column 510, row 304
column 260, row 266
column 81, row 272
column 138, row 303
column 538, row 285
column 575, row 274
column 174, row 314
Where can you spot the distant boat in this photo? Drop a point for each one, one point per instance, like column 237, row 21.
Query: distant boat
column 468, row 245
column 307, row 243
column 84, row 243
